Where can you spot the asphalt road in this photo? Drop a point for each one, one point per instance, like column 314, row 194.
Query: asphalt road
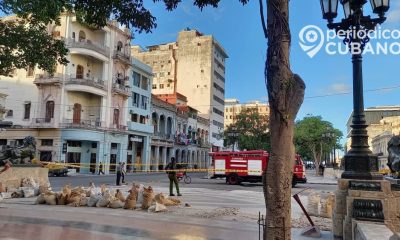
column 161, row 179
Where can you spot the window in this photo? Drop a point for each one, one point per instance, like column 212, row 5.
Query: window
column 169, row 73
column 161, row 86
column 47, row 142
column 135, row 99
column 162, row 74
column 114, row 145
column 116, row 117
column 27, row 109
column 219, row 76
column 134, row 117
column 74, row 144
column 154, row 86
column 3, row 142
column 168, row 85
column 218, row 124
column 30, row 72
column 142, row 119
column 216, row 86
column 49, row 111
column 219, row 112
column 145, row 83
column 10, row 113
column 144, row 102
column 82, row 36
column 94, row 145
column 119, row 46
column 136, row 79
column 218, row 100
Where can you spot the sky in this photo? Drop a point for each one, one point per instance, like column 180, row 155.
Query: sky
column 328, row 77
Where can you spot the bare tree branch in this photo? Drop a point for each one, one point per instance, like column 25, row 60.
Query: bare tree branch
column 263, row 19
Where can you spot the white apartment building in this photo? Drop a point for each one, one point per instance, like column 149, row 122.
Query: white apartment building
column 194, row 66
column 79, row 114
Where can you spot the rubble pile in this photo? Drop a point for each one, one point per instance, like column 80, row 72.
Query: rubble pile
column 28, row 187
column 138, row 197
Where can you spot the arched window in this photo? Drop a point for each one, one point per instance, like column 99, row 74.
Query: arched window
column 49, row 111
column 82, row 36
column 119, row 46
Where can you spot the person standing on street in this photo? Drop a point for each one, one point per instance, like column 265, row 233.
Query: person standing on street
column 123, row 172
column 101, row 168
column 171, row 171
column 118, row 174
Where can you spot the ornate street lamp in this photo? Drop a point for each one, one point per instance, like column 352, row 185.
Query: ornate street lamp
column 360, row 163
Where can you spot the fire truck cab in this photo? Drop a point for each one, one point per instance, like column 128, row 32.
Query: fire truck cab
column 247, row 166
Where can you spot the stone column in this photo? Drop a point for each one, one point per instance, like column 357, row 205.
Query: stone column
column 146, row 154
column 156, row 157
column 164, row 156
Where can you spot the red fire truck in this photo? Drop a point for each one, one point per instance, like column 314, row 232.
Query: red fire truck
column 247, row 166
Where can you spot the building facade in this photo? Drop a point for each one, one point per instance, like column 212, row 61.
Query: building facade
column 194, row 66
column 233, row 108
column 78, row 114
column 140, row 126
column 162, row 142
column 379, row 119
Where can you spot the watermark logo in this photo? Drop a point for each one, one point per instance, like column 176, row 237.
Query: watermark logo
column 311, row 40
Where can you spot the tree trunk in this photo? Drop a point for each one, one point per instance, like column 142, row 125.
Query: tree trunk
column 286, row 93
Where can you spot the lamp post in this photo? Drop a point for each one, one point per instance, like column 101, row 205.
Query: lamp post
column 360, row 163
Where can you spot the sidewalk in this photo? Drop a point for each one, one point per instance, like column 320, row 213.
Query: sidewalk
column 214, row 214
column 313, row 179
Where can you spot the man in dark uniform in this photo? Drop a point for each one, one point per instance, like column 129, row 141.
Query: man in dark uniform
column 172, row 177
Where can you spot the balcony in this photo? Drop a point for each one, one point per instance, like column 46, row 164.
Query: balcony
column 121, row 89
column 84, row 124
column 46, row 78
column 91, row 82
column 43, row 123
column 140, row 127
column 163, row 136
column 122, row 56
column 87, row 44
column 119, row 128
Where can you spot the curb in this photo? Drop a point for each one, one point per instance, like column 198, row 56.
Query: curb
column 320, row 183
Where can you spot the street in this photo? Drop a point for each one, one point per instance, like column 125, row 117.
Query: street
column 161, row 179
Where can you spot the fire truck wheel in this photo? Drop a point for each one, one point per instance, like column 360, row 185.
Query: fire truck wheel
column 233, row 179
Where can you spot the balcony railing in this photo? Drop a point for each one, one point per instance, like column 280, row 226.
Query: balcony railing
column 93, row 82
column 88, row 44
column 121, row 89
column 85, row 124
column 164, row 136
column 46, row 78
column 118, row 127
column 43, row 122
column 125, row 57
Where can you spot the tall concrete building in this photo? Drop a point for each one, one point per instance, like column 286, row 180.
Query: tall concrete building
column 233, row 108
column 194, row 66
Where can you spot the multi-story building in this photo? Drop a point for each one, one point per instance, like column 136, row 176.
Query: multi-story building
column 192, row 132
column 162, row 142
column 139, row 123
column 78, row 114
column 194, row 66
column 390, row 126
column 373, row 117
column 233, row 108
